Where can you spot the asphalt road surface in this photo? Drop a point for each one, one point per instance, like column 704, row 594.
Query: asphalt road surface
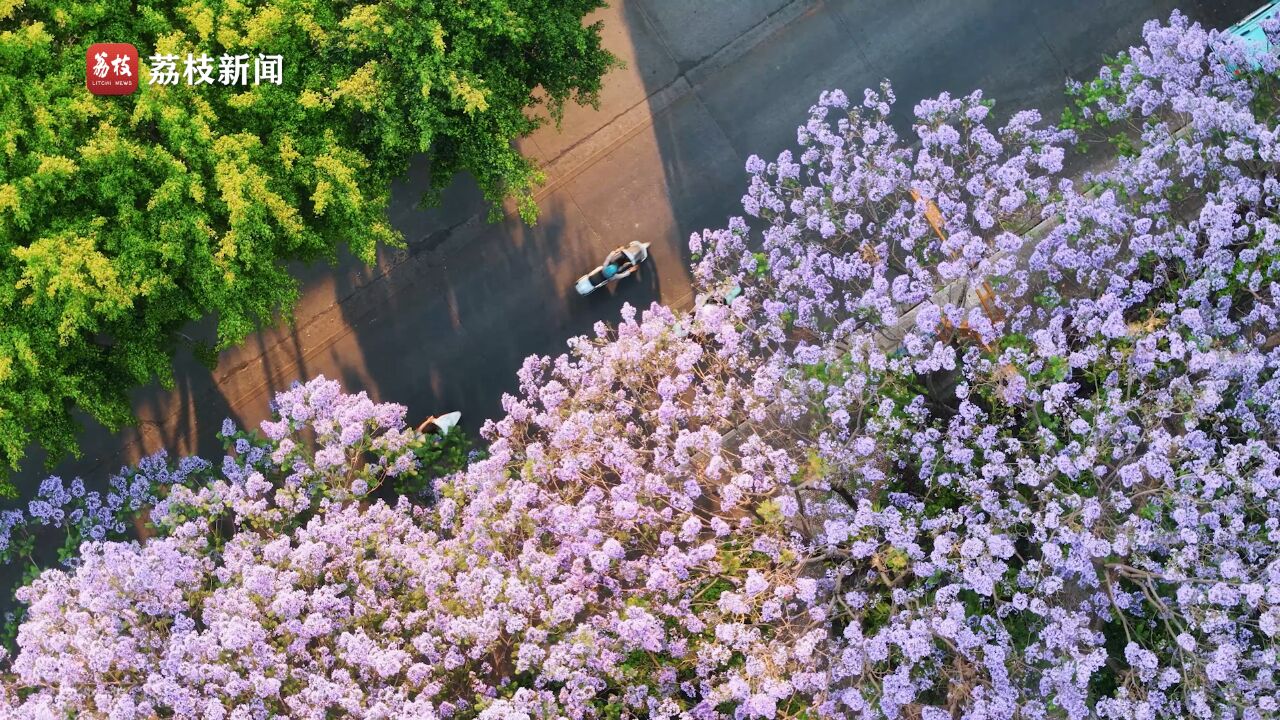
column 445, row 323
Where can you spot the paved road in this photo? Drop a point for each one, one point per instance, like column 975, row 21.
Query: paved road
column 444, row 324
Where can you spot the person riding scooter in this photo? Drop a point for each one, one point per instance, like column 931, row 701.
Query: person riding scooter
column 618, row 264
column 618, row 269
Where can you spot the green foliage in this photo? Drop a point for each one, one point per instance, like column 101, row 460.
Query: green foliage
column 1081, row 113
column 438, row 456
column 123, row 219
column 762, row 264
column 20, row 553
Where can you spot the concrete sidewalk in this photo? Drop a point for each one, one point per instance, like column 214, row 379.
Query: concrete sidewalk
column 445, row 323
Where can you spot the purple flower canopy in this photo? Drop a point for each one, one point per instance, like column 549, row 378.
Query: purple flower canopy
column 930, row 462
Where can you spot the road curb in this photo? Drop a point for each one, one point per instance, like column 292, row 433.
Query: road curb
column 748, row 41
column 585, row 153
column 581, row 155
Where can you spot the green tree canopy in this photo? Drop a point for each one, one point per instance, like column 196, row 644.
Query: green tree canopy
column 122, row 219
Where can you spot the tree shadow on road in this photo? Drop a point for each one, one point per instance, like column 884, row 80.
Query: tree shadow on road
column 450, row 322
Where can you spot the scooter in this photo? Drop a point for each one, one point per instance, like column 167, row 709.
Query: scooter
column 723, row 294
column 439, row 424
column 618, row 264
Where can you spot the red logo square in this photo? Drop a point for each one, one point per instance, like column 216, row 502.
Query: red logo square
column 111, row 68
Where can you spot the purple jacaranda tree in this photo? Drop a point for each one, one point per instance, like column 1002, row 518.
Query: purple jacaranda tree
column 1079, row 517
column 927, row 464
column 625, row 544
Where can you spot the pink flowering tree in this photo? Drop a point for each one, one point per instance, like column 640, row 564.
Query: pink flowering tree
column 932, row 462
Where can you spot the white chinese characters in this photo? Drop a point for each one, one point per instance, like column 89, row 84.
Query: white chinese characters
column 199, row 71
column 230, row 69
column 268, row 69
column 233, row 69
column 119, row 65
